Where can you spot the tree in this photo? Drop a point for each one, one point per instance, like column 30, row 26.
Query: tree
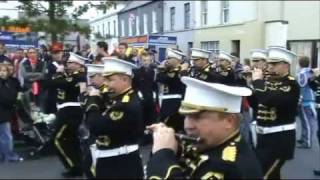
column 51, row 16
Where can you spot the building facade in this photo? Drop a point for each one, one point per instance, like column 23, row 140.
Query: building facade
column 179, row 21
column 105, row 26
column 238, row 26
column 141, row 18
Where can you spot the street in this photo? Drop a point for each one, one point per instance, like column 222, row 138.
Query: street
column 50, row 167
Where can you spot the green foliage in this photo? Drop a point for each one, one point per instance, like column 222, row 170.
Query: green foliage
column 52, row 18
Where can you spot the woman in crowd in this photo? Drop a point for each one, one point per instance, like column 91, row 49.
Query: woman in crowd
column 8, row 96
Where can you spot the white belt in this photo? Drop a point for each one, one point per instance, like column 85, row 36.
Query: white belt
column 68, row 104
column 96, row 153
column 171, row 96
column 116, row 151
column 269, row 130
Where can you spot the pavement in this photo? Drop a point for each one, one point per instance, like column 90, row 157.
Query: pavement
column 49, row 167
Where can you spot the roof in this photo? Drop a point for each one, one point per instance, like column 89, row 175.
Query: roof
column 134, row 4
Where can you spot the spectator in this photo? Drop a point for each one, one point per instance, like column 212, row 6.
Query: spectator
column 122, row 50
column 87, row 53
column 32, row 71
column 16, row 83
column 8, row 96
column 2, row 53
column 18, row 57
column 102, row 49
column 307, row 113
column 136, row 57
column 43, row 54
column 144, row 83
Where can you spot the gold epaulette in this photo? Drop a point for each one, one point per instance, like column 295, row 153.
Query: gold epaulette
column 291, row 78
column 229, row 153
column 126, row 97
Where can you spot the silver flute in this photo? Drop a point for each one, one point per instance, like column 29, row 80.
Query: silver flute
column 182, row 137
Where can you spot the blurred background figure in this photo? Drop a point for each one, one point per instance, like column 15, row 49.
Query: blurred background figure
column 307, row 109
column 8, row 96
column 87, row 52
column 3, row 57
column 32, row 72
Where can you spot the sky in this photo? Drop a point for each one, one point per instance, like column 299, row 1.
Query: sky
column 7, row 9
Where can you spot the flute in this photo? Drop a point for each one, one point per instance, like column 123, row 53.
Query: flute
column 179, row 136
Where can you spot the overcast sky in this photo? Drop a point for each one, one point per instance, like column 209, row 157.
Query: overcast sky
column 7, row 9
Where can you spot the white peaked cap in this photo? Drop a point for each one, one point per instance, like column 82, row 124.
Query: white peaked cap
column 174, row 54
column 115, row 66
column 76, row 58
column 204, row 96
column 224, row 55
column 278, row 54
column 258, row 54
column 93, row 69
column 197, row 53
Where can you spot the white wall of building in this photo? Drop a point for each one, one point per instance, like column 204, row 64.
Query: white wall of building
column 179, row 14
column 304, row 19
column 107, row 24
column 239, row 12
column 183, row 35
column 242, row 11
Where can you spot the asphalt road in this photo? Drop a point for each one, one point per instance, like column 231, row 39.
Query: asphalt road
column 49, row 167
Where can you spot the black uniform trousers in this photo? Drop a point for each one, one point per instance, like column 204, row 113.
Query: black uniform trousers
column 169, row 114
column 88, row 169
column 66, row 139
column 273, row 150
column 120, row 167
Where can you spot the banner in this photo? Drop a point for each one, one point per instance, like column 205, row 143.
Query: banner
column 19, row 40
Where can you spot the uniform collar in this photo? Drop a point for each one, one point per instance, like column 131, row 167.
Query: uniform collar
column 206, row 66
column 127, row 91
column 235, row 136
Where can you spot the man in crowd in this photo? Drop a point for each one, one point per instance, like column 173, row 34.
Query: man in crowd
column 144, row 83
column 122, row 50
column 87, row 52
column 220, row 153
column 33, row 71
column 277, row 99
column 307, row 109
column 118, row 129
column 3, row 57
column 102, row 49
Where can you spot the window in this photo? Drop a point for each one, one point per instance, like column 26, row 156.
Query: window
column 114, row 28
column 103, row 33
column 145, row 24
column 172, row 16
column 210, row 45
column 225, row 11
column 109, row 33
column 137, row 25
column 130, row 27
column 122, row 27
column 154, row 21
column 204, row 13
column 187, row 15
